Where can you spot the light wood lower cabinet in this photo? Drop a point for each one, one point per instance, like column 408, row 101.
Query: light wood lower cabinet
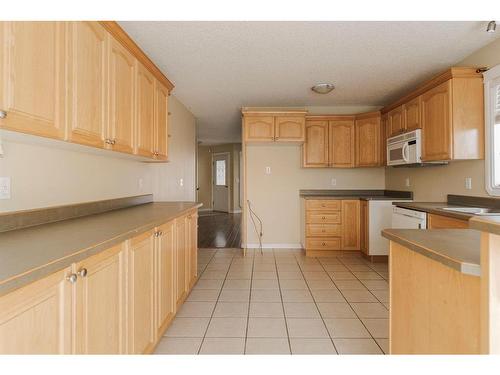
column 181, row 260
column 36, row 319
column 193, row 249
column 364, row 217
column 444, row 222
column 330, row 225
column 100, row 303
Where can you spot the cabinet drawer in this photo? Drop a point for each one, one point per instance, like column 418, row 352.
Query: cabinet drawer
column 324, row 204
column 323, row 243
column 315, row 217
column 323, row 230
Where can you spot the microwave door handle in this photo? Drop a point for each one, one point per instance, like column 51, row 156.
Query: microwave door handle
column 405, row 149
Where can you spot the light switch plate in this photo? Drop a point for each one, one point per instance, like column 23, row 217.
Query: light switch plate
column 4, row 187
column 268, row 170
column 407, row 181
column 468, row 183
column 334, row 181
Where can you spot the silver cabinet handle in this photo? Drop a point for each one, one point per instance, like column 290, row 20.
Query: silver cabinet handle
column 82, row 272
column 72, row 278
column 3, row 114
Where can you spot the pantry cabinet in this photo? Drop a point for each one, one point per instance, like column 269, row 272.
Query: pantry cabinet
column 122, row 72
column 100, row 303
column 315, row 152
column 141, row 270
column 37, row 319
column 33, row 81
column 87, row 79
column 368, row 140
column 396, row 121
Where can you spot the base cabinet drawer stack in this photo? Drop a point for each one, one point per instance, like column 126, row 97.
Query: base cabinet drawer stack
column 118, row 301
column 331, row 225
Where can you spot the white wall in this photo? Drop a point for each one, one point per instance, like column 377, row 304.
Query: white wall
column 48, row 175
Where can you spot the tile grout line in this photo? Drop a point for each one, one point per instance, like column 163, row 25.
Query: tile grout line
column 355, row 313
column 216, row 302
column 316, row 304
column 249, row 300
column 282, row 303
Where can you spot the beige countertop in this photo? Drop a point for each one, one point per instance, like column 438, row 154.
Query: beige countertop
column 489, row 224
column 29, row 254
column 456, row 248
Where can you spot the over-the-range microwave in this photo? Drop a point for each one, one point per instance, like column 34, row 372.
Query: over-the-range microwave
column 405, row 148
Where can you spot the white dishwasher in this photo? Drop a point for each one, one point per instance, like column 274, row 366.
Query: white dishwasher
column 404, row 218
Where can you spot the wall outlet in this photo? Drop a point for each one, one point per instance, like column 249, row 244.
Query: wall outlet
column 468, row 183
column 4, row 187
column 407, row 182
column 268, row 170
column 333, row 181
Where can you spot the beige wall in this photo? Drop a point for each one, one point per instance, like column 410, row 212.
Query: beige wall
column 434, row 183
column 45, row 174
column 275, row 197
column 205, row 174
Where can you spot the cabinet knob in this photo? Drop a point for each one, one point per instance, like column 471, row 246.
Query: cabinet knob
column 109, row 141
column 324, row 244
column 82, row 272
column 323, row 231
column 323, row 217
column 3, row 114
column 72, row 278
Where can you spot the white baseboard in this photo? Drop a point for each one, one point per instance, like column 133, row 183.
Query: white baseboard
column 274, row 246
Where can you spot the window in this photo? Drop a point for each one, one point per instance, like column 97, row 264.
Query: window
column 492, row 106
column 220, row 174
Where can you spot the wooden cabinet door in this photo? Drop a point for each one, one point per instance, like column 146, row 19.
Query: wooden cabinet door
column 180, row 265
column 364, row 226
column 165, row 274
column 145, row 94
column 396, row 121
column 289, row 128
column 193, row 248
column 161, row 122
column 140, row 301
column 259, row 128
column 411, row 111
column 100, row 303
column 87, row 78
column 315, row 148
column 36, row 319
column 436, row 123
column 121, row 98
column 368, row 142
column 384, row 130
column 444, row 222
column 341, row 143
column 351, row 224
column 32, row 83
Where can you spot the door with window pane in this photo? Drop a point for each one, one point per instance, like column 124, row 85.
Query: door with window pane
column 220, row 170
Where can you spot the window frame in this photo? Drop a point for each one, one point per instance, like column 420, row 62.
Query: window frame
column 489, row 118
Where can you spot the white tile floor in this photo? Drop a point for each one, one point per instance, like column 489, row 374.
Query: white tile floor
column 281, row 302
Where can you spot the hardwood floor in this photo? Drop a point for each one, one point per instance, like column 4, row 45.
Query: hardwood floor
column 219, row 229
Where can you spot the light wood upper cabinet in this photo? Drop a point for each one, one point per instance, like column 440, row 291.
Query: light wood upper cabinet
column 122, row 73
column 161, row 122
column 87, row 78
column 436, row 123
column 259, row 128
column 145, row 112
column 341, row 143
column 351, row 224
column 289, row 128
column 36, row 319
column 100, row 303
column 384, row 134
column 32, row 83
column 165, row 276
column 180, row 260
column 141, row 325
column 315, row 149
column 368, row 141
column 411, row 112
column 396, row 121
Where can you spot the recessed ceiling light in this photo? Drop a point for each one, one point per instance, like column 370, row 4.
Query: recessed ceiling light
column 492, row 26
column 323, row 88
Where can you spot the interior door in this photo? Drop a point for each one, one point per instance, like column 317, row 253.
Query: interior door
column 220, row 180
